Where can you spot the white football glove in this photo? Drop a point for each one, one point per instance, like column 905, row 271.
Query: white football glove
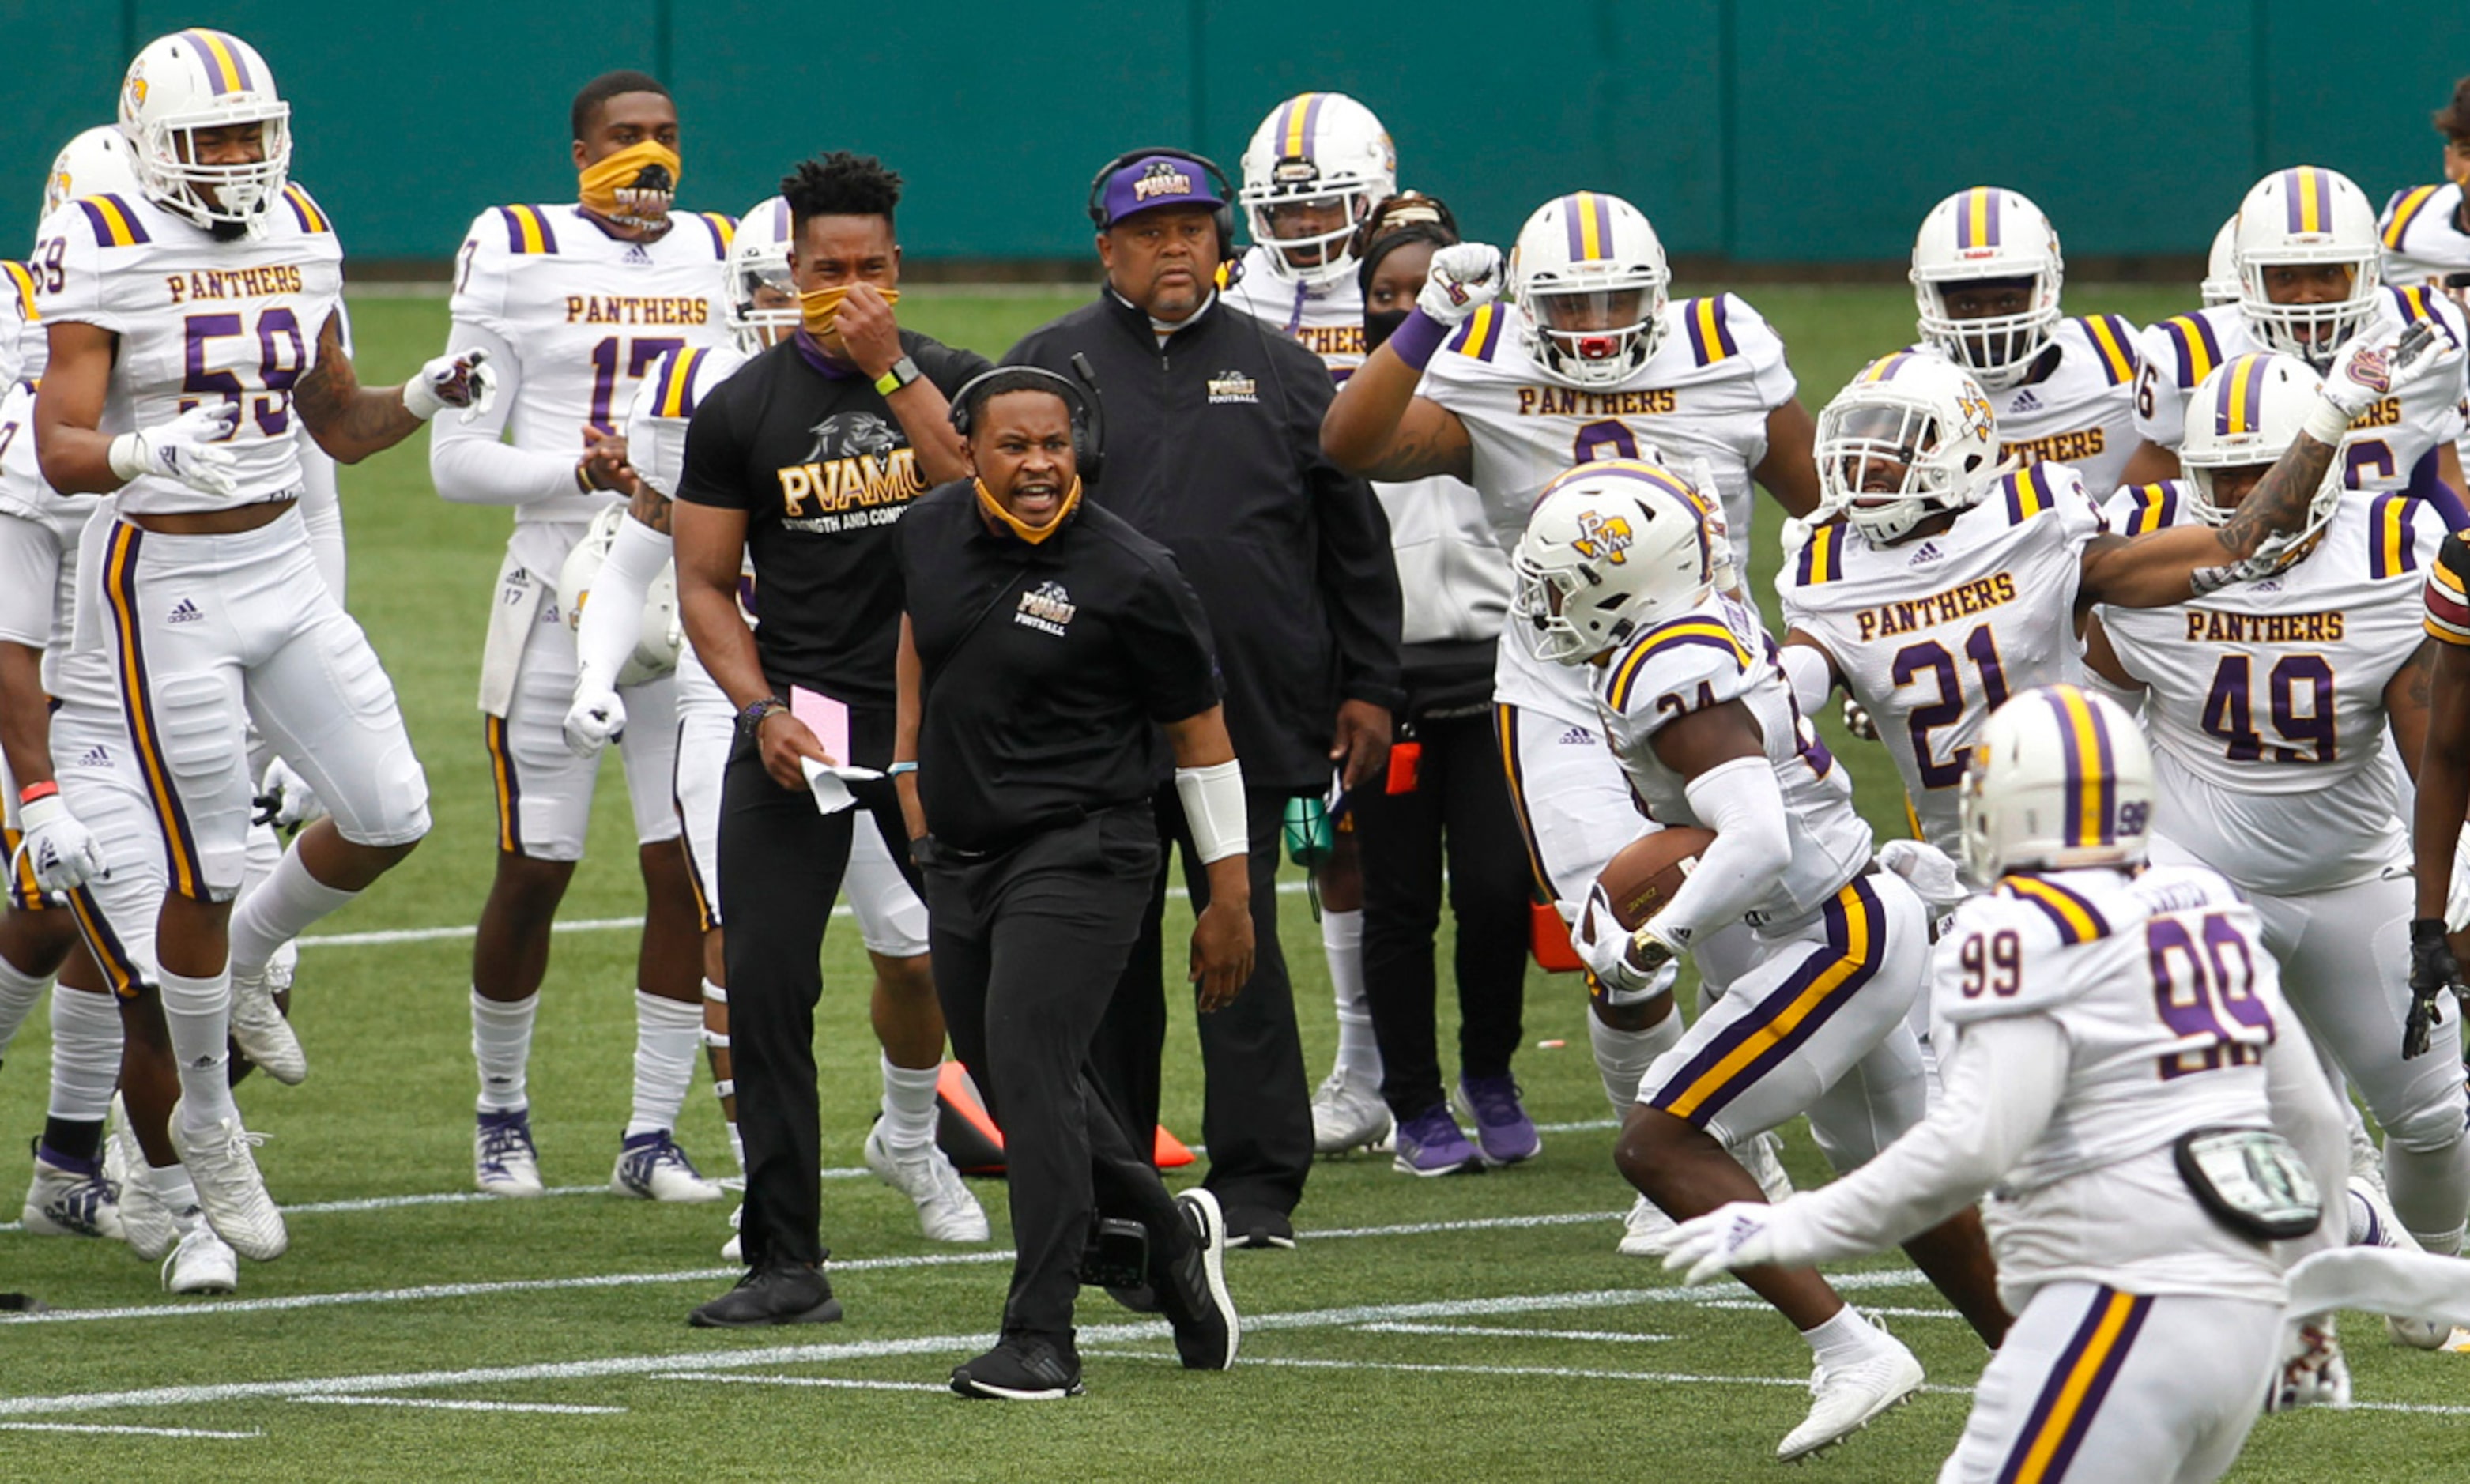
column 595, row 719
column 1726, row 1239
column 183, row 449
column 464, row 381
column 284, row 799
column 1925, row 868
column 1464, row 277
column 1626, row 962
column 62, row 851
column 2369, row 370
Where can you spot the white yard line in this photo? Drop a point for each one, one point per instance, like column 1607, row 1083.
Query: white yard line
column 834, row 1382
column 145, row 1432
column 448, row 1405
column 1513, row 1331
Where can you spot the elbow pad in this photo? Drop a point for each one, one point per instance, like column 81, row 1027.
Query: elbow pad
column 1742, row 803
column 1811, row 674
column 1213, row 807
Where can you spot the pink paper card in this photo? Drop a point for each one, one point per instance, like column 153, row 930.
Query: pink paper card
column 826, row 718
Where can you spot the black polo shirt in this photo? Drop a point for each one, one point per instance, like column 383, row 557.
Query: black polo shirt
column 823, row 470
column 1046, row 669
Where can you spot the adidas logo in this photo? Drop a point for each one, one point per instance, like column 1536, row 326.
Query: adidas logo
column 1577, row 736
column 1928, row 552
column 186, row 612
column 2025, row 402
column 636, row 253
column 94, row 757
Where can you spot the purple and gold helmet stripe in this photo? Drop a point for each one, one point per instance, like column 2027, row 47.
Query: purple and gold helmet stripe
column 1885, row 367
column 2091, row 799
column 2308, row 196
column 2239, row 408
column 1590, row 225
column 2406, row 208
column 1976, row 223
column 226, row 64
column 1295, row 129
column 114, row 224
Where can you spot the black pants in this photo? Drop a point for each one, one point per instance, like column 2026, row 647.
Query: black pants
column 781, row 867
column 1460, row 810
column 1028, row 947
column 1256, row 1113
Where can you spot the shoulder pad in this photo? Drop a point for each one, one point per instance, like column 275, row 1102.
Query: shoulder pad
column 2448, row 593
column 2113, row 342
column 2001, row 954
column 673, row 382
column 115, row 225
column 1707, row 323
column 1481, row 336
column 1693, row 647
column 1821, row 555
column 529, row 232
column 305, row 209
column 2403, row 210
column 2197, row 352
column 723, row 228
column 2036, row 489
column 2145, row 509
column 2394, row 534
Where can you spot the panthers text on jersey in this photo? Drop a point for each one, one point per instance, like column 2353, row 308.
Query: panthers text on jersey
column 583, row 316
column 1705, row 394
column 2267, row 704
column 1931, row 635
column 1704, row 656
column 2168, row 1000
column 199, row 320
column 2423, row 238
column 2077, row 405
column 1326, row 319
column 2386, row 442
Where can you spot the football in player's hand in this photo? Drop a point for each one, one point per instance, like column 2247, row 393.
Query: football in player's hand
column 1642, row 876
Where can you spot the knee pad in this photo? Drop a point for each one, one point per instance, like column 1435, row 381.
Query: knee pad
column 2433, row 1126
column 190, row 742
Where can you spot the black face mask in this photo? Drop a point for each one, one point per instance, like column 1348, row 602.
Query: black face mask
column 1380, row 325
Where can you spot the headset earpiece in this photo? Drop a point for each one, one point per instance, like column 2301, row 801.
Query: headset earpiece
column 1080, row 396
column 1223, row 218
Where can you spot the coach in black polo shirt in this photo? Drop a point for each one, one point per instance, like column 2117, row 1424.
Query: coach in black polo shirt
column 1215, row 434
column 1051, row 660
column 806, row 459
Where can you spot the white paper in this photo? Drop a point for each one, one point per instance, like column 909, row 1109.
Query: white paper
column 830, row 784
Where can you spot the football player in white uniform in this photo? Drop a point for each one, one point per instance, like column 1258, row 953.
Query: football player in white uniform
column 1986, row 277
column 2426, row 229
column 2306, row 250
column 2221, row 282
column 616, row 625
column 1616, row 582
column 1589, row 358
column 1953, row 579
column 194, row 333
column 2268, row 705
column 1315, row 172
column 2104, row 1025
column 574, row 303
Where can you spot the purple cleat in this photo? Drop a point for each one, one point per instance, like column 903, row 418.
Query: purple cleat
column 1502, row 1125
column 1432, row 1143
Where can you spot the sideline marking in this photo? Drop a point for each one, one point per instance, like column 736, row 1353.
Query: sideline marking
column 114, row 1427
column 1512, row 1332
column 838, row 1382
column 447, row 1405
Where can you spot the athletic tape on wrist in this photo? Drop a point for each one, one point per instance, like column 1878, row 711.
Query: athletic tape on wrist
column 1213, row 806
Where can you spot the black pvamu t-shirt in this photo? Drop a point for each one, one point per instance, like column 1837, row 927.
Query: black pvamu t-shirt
column 824, row 472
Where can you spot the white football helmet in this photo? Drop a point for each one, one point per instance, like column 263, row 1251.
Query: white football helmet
column 1612, row 548
column 2061, row 780
column 199, row 78
column 759, row 258
column 1316, row 148
column 1918, row 425
column 2246, row 414
column 662, row 637
column 98, row 161
column 1988, row 233
column 2307, row 215
column 2220, row 284
column 1589, row 278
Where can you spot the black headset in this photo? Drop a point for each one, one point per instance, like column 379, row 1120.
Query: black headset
column 1080, row 394
column 1223, row 218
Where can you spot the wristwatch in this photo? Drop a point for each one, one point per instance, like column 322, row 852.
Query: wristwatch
column 903, row 372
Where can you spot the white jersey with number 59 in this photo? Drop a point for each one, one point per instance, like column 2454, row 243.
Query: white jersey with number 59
column 1705, row 394
column 1932, row 635
column 2266, row 707
column 584, row 315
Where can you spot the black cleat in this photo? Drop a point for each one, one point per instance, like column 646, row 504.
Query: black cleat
column 791, row 1293
column 1020, row 1368
column 1194, row 1288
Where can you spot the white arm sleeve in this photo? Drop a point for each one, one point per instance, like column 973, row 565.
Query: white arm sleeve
column 1812, row 675
column 321, row 511
column 612, row 619
column 470, row 463
column 1741, row 801
column 1998, row 1093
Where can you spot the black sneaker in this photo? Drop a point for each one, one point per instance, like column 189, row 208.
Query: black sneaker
column 789, row 1293
column 1259, row 1227
column 1193, row 1290
column 1020, row 1368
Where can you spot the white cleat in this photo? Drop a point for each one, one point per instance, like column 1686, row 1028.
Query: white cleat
column 68, row 1200
column 946, row 1211
column 651, row 1166
column 503, row 1161
column 1843, row 1402
column 202, row 1264
column 230, row 1189
column 144, row 1222
column 1761, row 1157
column 733, row 1250
column 2373, row 1224
column 261, row 1033
column 1348, row 1114
column 1647, row 1232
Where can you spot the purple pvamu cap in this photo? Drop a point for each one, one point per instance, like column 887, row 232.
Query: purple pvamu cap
column 1156, row 180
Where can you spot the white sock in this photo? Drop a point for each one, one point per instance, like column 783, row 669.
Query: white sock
column 263, row 852
column 199, row 1014
column 279, row 912
column 1622, row 1056
column 172, row 1187
column 908, row 1104
column 1846, row 1339
column 502, row 1043
column 18, row 992
column 85, row 1054
column 1341, row 943
column 667, row 1035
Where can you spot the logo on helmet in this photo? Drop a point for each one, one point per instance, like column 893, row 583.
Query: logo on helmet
column 138, row 86
column 1602, row 538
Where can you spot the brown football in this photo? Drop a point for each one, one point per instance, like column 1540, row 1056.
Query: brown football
column 1642, row 877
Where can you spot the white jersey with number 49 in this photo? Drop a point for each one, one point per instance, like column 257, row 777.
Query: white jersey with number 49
column 2168, row 1000
column 586, row 314
column 200, row 321
column 2266, row 707
column 1933, row 633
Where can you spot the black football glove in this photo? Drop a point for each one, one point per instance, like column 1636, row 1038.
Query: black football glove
column 2432, row 971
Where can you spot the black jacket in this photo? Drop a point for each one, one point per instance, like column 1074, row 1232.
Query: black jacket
column 1213, row 450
